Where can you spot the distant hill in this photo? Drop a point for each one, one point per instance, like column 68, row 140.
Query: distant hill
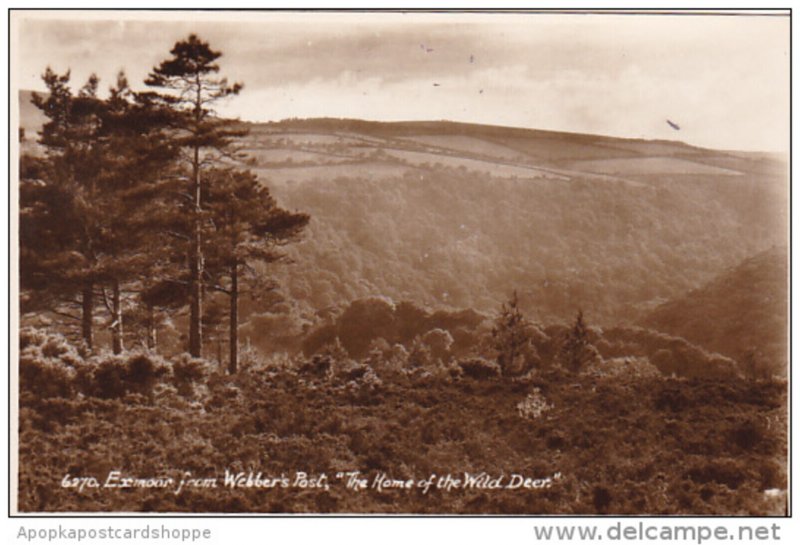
column 742, row 313
column 31, row 118
column 453, row 215
column 457, row 215
column 584, row 153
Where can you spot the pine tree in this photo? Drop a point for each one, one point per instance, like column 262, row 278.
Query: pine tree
column 249, row 227
column 191, row 89
column 512, row 337
column 87, row 207
column 577, row 350
column 60, row 223
column 137, row 181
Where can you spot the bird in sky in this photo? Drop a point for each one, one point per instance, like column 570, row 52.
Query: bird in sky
column 673, row 125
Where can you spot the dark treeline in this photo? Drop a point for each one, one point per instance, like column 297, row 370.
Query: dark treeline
column 139, row 207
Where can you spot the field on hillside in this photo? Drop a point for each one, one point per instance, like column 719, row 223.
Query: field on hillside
column 615, row 227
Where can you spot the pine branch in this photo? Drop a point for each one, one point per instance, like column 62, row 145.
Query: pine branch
column 217, row 287
column 66, row 314
column 105, row 300
column 178, row 235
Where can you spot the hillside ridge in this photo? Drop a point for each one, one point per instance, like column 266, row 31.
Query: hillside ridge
column 741, row 313
column 443, row 126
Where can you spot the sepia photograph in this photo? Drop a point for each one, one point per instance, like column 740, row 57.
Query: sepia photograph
column 399, row 262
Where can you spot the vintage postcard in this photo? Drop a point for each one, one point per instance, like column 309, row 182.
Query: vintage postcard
column 385, row 262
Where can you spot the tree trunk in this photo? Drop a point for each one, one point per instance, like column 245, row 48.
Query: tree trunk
column 87, row 299
column 196, row 269
column 151, row 328
column 195, row 308
column 234, row 340
column 117, row 344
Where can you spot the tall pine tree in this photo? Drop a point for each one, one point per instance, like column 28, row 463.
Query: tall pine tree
column 191, row 88
column 60, row 224
column 249, row 227
column 138, row 186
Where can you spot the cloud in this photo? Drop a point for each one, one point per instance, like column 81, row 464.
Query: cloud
column 723, row 79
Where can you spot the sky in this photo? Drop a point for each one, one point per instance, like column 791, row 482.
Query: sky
column 724, row 80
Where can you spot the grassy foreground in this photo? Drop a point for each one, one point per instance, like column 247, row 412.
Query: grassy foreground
column 610, row 443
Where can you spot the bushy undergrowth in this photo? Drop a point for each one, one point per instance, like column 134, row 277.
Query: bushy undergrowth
column 534, row 405
column 516, row 345
column 622, row 442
